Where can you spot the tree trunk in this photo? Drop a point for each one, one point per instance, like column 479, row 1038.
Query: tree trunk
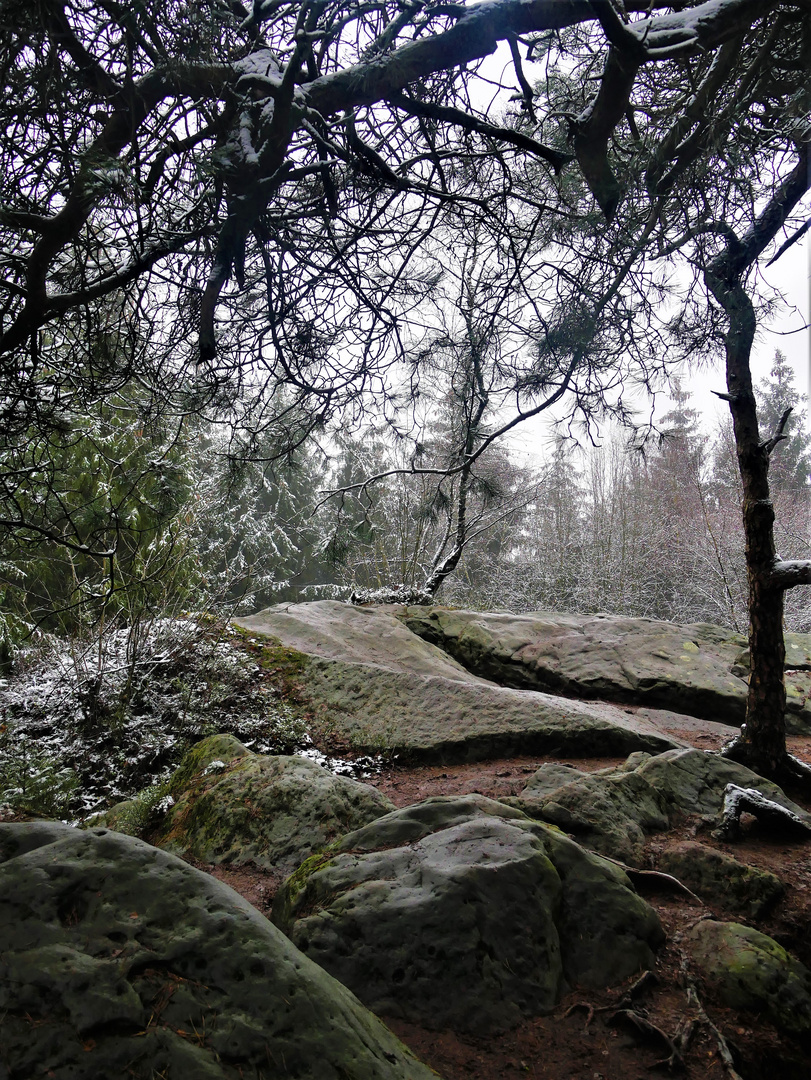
column 762, row 742
column 443, row 568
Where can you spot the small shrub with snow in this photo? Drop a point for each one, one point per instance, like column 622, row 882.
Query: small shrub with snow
column 86, row 724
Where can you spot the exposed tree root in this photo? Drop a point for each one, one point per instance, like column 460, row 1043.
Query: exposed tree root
column 738, row 800
column 642, row 1027
column 785, row 770
column 694, row 1000
column 635, row 990
column 723, row 1047
column 586, row 1007
column 650, row 881
column 681, row 1044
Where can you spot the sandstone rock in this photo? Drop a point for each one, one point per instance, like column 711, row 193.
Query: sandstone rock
column 462, row 912
column 721, row 879
column 383, row 688
column 698, row 669
column 606, row 813
column 117, row 959
column 748, row 970
column 272, row 811
column 612, row 811
column 693, row 782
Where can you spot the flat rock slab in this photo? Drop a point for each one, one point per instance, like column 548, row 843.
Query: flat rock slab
column 384, row 688
column 696, row 668
column 117, row 959
column 462, row 912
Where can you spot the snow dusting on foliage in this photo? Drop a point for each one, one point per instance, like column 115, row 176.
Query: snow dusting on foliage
column 85, row 727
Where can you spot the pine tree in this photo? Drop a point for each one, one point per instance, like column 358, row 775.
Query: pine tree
column 790, row 465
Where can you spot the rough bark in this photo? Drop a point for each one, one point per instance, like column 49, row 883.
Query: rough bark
column 762, row 742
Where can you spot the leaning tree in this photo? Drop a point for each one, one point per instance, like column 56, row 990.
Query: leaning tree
column 255, row 184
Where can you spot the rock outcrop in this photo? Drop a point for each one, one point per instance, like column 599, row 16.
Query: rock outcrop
column 613, row 810
column 462, row 912
column 117, row 959
column 271, row 811
column 382, row 687
column 697, row 669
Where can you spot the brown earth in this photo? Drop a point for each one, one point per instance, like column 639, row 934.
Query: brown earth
column 602, row 1036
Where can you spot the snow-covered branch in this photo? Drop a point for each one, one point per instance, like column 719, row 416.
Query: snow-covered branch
column 787, row 573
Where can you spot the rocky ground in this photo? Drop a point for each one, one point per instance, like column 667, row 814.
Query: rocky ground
column 590, row 1035
column 541, row 712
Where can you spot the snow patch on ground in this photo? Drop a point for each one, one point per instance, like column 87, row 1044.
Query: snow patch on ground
column 83, row 726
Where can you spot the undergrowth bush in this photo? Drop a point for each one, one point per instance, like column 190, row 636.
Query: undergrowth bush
column 86, row 723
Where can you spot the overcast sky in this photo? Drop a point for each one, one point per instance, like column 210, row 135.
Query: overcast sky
column 788, row 331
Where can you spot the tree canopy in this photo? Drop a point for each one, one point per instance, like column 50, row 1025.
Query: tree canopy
column 292, row 157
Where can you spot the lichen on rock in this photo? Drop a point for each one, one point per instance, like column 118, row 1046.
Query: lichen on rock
column 463, row 912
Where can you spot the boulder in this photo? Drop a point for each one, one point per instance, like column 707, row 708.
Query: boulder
column 462, row 912
column 271, row 811
column 613, row 810
column 610, row 813
column 748, row 970
column 721, row 879
column 696, row 668
column 117, row 959
column 382, row 688
column 693, row 782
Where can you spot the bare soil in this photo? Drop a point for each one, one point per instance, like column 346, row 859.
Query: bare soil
column 602, row 1035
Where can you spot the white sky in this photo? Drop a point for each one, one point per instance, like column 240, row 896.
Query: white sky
column 788, row 331
column 790, row 277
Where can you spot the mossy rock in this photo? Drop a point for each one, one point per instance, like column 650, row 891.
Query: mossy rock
column 721, row 879
column 696, row 668
column 748, row 970
column 271, row 811
column 693, row 782
column 117, row 959
column 463, row 912
column 610, row 813
column 381, row 688
column 223, row 747
column 613, row 810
